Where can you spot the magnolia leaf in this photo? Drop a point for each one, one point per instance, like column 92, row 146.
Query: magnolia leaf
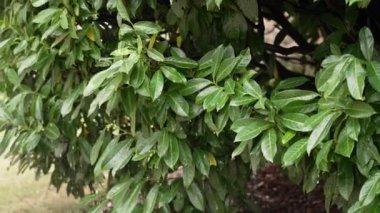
column 269, row 144
column 294, row 152
column 321, row 131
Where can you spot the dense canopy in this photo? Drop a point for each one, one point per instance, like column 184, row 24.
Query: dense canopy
column 173, row 105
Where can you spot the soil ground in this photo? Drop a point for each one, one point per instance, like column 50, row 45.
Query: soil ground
column 272, row 191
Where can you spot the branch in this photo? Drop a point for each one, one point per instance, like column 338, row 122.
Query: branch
column 291, row 31
column 286, row 51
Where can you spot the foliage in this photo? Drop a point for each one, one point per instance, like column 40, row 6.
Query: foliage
column 137, row 90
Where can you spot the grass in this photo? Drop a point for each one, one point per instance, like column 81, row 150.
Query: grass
column 22, row 193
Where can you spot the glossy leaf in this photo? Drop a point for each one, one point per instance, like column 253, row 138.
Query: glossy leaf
column 269, row 144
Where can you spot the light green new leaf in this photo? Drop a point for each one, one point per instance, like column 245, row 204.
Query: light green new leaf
column 269, row 144
column 283, row 98
column 151, row 198
column 321, row 131
column 355, row 75
column 173, row 75
column 294, row 152
column 366, row 42
column 178, row 104
column 52, row 131
column 359, row 109
column 156, row 85
column 195, row 196
column 373, row 72
column 253, row 128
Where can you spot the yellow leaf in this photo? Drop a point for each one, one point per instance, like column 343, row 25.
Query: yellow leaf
column 211, row 159
column 90, row 35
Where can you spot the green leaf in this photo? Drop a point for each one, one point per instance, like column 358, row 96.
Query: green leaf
column 194, row 85
column 242, row 100
column 39, row 108
column 239, row 149
column 355, row 76
column 185, row 157
column 345, row 179
column 322, row 157
column 195, row 196
column 359, row 109
column 217, row 58
column 45, row 15
column 132, row 199
column 369, row 190
column 201, row 161
column 32, row 141
column 345, row 144
column 155, row 55
column 252, row 88
column 96, row 148
column 249, row 9
column 188, row 175
column 52, row 131
column 121, row 154
column 39, row 3
column 147, row 27
column 283, row 98
column 27, row 63
column 163, row 143
column 205, row 93
column 373, row 72
column 225, row 68
column 178, row 104
column 291, row 83
column 295, row 121
column 250, row 129
column 353, row 128
column 95, row 82
column 366, row 42
column 321, row 131
column 156, row 85
column 122, row 10
column 172, row 154
column 151, row 198
column 181, row 62
column 173, row 75
column 269, row 144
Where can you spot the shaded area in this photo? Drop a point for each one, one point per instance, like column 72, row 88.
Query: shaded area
column 272, row 191
column 23, row 193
